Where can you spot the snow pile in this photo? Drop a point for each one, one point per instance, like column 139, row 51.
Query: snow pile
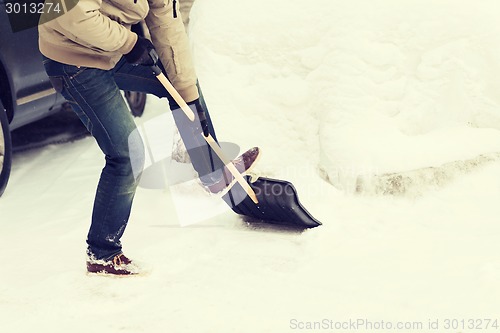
column 253, row 69
column 368, row 88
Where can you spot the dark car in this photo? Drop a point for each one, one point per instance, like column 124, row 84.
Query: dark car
column 26, row 94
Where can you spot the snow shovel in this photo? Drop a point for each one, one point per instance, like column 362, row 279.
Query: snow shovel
column 278, row 203
column 210, row 140
column 269, row 200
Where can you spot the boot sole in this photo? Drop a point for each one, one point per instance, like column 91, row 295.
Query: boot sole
column 118, row 276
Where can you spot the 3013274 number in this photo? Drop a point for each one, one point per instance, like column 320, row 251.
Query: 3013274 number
column 32, row 8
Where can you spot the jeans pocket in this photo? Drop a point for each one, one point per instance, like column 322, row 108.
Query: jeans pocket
column 73, row 71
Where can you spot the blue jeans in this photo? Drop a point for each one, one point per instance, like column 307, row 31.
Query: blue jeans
column 94, row 95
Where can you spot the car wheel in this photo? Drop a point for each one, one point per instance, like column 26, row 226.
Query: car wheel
column 5, row 149
column 136, row 101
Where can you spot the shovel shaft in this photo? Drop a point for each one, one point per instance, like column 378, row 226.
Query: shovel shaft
column 230, row 166
column 175, row 95
column 210, row 140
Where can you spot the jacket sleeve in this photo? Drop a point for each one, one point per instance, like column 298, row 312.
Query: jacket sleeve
column 88, row 26
column 171, row 42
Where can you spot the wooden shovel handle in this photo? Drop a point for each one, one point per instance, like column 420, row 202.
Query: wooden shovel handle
column 210, row 140
column 177, row 97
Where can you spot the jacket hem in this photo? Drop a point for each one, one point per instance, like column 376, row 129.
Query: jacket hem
column 189, row 94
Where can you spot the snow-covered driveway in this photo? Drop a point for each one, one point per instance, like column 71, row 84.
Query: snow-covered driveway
column 331, row 92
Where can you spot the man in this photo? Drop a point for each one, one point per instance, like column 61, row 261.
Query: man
column 90, row 54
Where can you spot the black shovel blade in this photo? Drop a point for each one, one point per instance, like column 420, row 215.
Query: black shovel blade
column 278, row 203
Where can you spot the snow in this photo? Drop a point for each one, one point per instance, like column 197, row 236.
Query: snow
column 347, row 100
column 382, row 85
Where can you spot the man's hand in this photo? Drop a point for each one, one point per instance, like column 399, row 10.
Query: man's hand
column 140, row 53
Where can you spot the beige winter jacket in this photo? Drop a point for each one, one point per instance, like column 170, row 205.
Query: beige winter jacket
column 96, row 33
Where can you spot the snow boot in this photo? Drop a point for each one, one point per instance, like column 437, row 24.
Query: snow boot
column 118, row 265
column 243, row 163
